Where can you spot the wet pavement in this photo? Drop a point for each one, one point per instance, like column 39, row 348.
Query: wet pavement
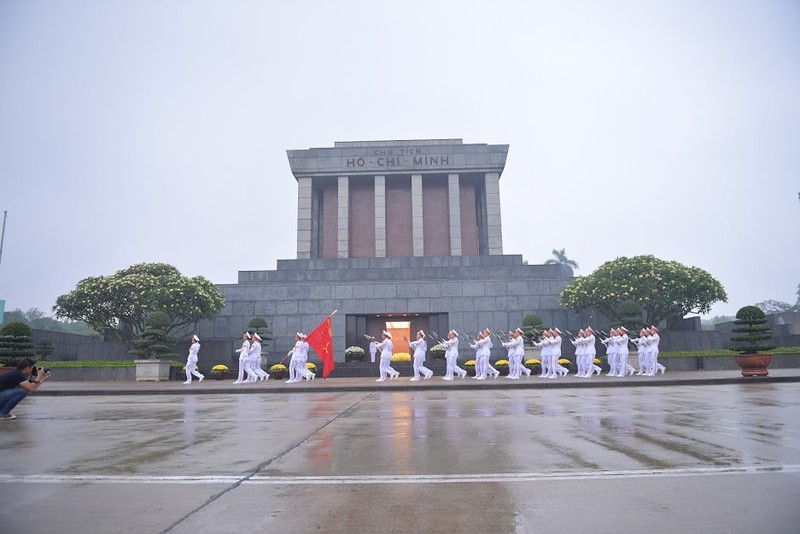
column 682, row 458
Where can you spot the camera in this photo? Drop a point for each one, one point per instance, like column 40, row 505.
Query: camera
column 36, row 369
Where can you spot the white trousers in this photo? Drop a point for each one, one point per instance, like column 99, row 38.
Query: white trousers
column 191, row 369
column 420, row 368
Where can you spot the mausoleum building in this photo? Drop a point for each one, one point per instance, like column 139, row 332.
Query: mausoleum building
column 399, row 236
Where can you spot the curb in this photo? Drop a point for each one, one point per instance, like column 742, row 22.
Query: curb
column 268, row 388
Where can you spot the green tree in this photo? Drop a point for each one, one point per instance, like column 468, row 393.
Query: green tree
column 664, row 290
column 776, row 306
column 629, row 315
column 259, row 326
column 752, row 323
column 15, row 342
column 532, row 326
column 154, row 342
column 36, row 319
column 44, row 348
column 560, row 258
column 118, row 305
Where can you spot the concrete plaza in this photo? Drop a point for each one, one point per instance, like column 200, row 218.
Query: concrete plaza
column 685, row 457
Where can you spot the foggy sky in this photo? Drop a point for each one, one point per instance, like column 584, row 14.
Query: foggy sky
column 143, row 131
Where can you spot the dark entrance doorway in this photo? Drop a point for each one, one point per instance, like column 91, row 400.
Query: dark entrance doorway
column 358, row 327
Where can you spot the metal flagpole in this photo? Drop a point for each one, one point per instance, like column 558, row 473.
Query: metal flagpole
column 3, row 234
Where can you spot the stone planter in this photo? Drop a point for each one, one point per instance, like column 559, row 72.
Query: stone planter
column 219, row 375
column 152, row 370
column 753, row 364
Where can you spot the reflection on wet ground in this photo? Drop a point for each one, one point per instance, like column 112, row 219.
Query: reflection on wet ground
column 421, row 431
column 355, row 450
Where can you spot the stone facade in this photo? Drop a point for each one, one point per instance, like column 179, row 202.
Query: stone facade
column 388, row 233
column 433, row 293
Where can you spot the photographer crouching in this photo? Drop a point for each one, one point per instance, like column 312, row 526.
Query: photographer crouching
column 15, row 385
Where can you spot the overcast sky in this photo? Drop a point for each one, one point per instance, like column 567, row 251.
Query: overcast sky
column 144, row 131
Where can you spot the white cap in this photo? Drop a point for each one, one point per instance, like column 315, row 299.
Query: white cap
column 421, row 332
column 454, row 333
column 387, row 334
column 247, row 335
column 195, row 338
column 256, row 337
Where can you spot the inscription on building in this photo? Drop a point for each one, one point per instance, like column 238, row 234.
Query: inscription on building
column 391, row 158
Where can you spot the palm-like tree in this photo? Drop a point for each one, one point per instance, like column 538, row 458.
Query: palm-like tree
column 560, row 258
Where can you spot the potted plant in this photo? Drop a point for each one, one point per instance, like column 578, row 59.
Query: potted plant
column 353, row 354
column 753, row 359
column 277, row 371
column 566, row 362
column 469, row 367
column 437, row 351
column 219, row 371
column 502, row 366
column 534, row 364
column 156, row 345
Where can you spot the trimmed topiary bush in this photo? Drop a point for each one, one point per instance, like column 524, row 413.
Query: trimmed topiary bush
column 15, row 343
column 752, row 323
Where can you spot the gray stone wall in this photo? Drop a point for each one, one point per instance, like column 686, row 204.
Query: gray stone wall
column 475, row 291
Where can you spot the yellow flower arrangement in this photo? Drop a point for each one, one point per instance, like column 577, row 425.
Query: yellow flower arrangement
column 533, row 361
column 469, row 363
column 501, row 363
column 597, row 361
column 401, row 357
column 277, row 367
column 220, row 368
column 564, row 361
column 311, row 367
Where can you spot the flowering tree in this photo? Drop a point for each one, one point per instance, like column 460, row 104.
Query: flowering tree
column 665, row 290
column 118, row 305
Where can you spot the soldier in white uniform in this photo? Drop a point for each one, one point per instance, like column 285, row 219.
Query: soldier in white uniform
column 243, row 361
column 591, row 351
column 490, row 370
column 300, row 369
column 481, row 356
column 557, row 368
column 420, row 347
column 654, row 340
column 642, row 350
column 191, row 361
column 451, row 356
column 255, row 361
column 580, row 353
column 611, row 351
column 293, row 355
column 521, row 351
column 514, row 370
column 622, row 354
column 385, row 346
column 546, row 347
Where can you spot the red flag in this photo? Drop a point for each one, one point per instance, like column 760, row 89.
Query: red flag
column 321, row 340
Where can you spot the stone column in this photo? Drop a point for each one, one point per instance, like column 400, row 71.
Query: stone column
column 454, row 204
column 380, row 216
column 418, row 239
column 493, row 225
column 303, row 218
column 343, row 220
